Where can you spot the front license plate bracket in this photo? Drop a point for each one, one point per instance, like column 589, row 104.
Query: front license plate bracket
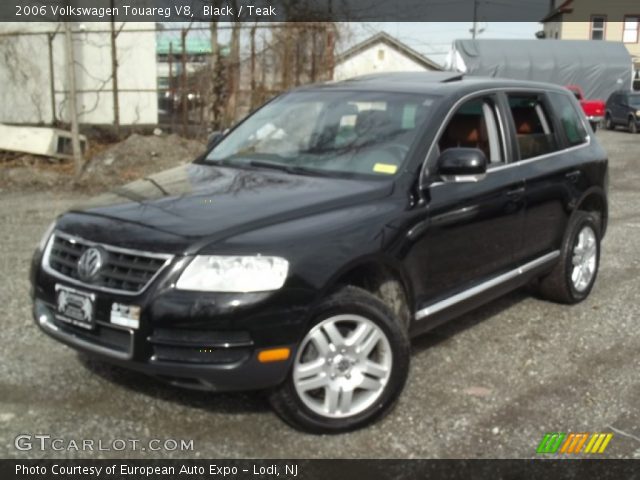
column 75, row 307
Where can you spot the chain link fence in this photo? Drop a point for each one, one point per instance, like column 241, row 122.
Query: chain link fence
column 189, row 79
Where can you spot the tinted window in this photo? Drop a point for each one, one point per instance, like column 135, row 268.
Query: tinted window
column 475, row 125
column 534, row 129
column 572, row 124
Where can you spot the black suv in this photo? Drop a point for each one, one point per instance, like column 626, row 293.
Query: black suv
column 311, row 242
column 623, row 108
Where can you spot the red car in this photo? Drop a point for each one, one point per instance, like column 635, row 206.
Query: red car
column 593, row 109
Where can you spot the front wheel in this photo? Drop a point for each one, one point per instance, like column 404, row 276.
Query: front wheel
column 349, row 368
column 608, row 123
column 633, row 126
column 594, row 126
column 573, row 277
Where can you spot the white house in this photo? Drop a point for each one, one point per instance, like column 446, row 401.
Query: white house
column 380, row 53
column 34, row 77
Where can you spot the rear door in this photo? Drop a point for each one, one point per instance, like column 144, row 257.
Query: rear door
column 549, row 132
column 620, row 109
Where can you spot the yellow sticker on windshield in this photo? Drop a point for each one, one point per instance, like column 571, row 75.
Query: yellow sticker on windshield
column 385, row 168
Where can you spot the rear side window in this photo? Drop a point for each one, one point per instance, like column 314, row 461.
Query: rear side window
column 534, row 128
column 572, row 124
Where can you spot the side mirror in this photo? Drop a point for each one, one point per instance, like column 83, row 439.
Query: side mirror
column 214, row 139
column 462, row 165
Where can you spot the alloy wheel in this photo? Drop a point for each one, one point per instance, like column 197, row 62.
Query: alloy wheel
column 342, row 366
column 584, row 260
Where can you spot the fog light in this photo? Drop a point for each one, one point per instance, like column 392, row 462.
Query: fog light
column 42, row 313
column 274, row 355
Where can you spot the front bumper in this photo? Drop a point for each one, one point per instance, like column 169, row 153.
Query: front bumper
column 232, row 366
column 196, row 340
column 595, row 118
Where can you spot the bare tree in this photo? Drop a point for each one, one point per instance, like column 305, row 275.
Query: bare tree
column 114, row 73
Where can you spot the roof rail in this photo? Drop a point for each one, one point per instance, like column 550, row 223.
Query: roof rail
column 454, row 78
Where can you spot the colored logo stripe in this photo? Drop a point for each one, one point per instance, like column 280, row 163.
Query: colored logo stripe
column 573, row 443
column 551, row 442
column 598, row 443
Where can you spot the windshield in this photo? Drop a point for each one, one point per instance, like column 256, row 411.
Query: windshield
column 634, row 101
column 339, row 133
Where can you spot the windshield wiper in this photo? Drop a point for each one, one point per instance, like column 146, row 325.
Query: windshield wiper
column 293, row 169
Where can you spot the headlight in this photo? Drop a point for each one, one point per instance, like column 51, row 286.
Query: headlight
column 47, row 234
column 638, row 113
column 213, row 273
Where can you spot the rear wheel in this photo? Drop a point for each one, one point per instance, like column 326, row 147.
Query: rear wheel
column 633, row 126
column 349, row 368
column 573, row 277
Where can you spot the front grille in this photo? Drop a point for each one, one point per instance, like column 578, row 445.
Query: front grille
column 124, row 270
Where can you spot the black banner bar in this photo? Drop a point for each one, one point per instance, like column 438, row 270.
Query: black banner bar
column 583, row 469
column 309, row 10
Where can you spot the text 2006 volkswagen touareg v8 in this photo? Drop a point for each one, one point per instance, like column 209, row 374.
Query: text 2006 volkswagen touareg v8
column 305, row 248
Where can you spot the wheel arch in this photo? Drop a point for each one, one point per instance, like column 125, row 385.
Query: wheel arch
column 594, row 200
column 380, row 276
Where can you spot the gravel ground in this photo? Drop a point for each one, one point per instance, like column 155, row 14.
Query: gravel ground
column 487, row 385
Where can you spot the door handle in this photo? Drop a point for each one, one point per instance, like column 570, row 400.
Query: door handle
column 573, row 176
column 516, row 192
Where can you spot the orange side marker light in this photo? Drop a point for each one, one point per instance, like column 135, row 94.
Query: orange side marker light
column 274, row 355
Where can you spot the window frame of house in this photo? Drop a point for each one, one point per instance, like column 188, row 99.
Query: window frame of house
column 603, row 29
column 624, row 30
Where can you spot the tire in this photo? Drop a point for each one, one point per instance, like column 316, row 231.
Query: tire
column 594, row 126
column 633, row 126
column 303, row 399
column 608, row 123
column 570, row 282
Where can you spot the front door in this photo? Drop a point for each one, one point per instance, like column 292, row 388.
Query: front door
column 473, row 227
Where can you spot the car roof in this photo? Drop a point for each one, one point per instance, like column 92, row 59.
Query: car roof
column 436, row 83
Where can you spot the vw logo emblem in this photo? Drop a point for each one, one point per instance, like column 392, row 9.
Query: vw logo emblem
column 90, row 263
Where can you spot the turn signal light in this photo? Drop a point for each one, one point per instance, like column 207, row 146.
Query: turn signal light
column 274, row 355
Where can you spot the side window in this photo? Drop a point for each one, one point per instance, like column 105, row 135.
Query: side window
column 572, row 124
column 534, row 129
column 475, row 125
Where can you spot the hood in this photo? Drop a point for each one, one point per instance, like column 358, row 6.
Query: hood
column 195, row 201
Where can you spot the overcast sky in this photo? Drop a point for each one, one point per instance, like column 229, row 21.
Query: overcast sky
column 434, row 39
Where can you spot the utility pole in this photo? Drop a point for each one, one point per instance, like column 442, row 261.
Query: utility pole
column 73, row 109
column 474, row 29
